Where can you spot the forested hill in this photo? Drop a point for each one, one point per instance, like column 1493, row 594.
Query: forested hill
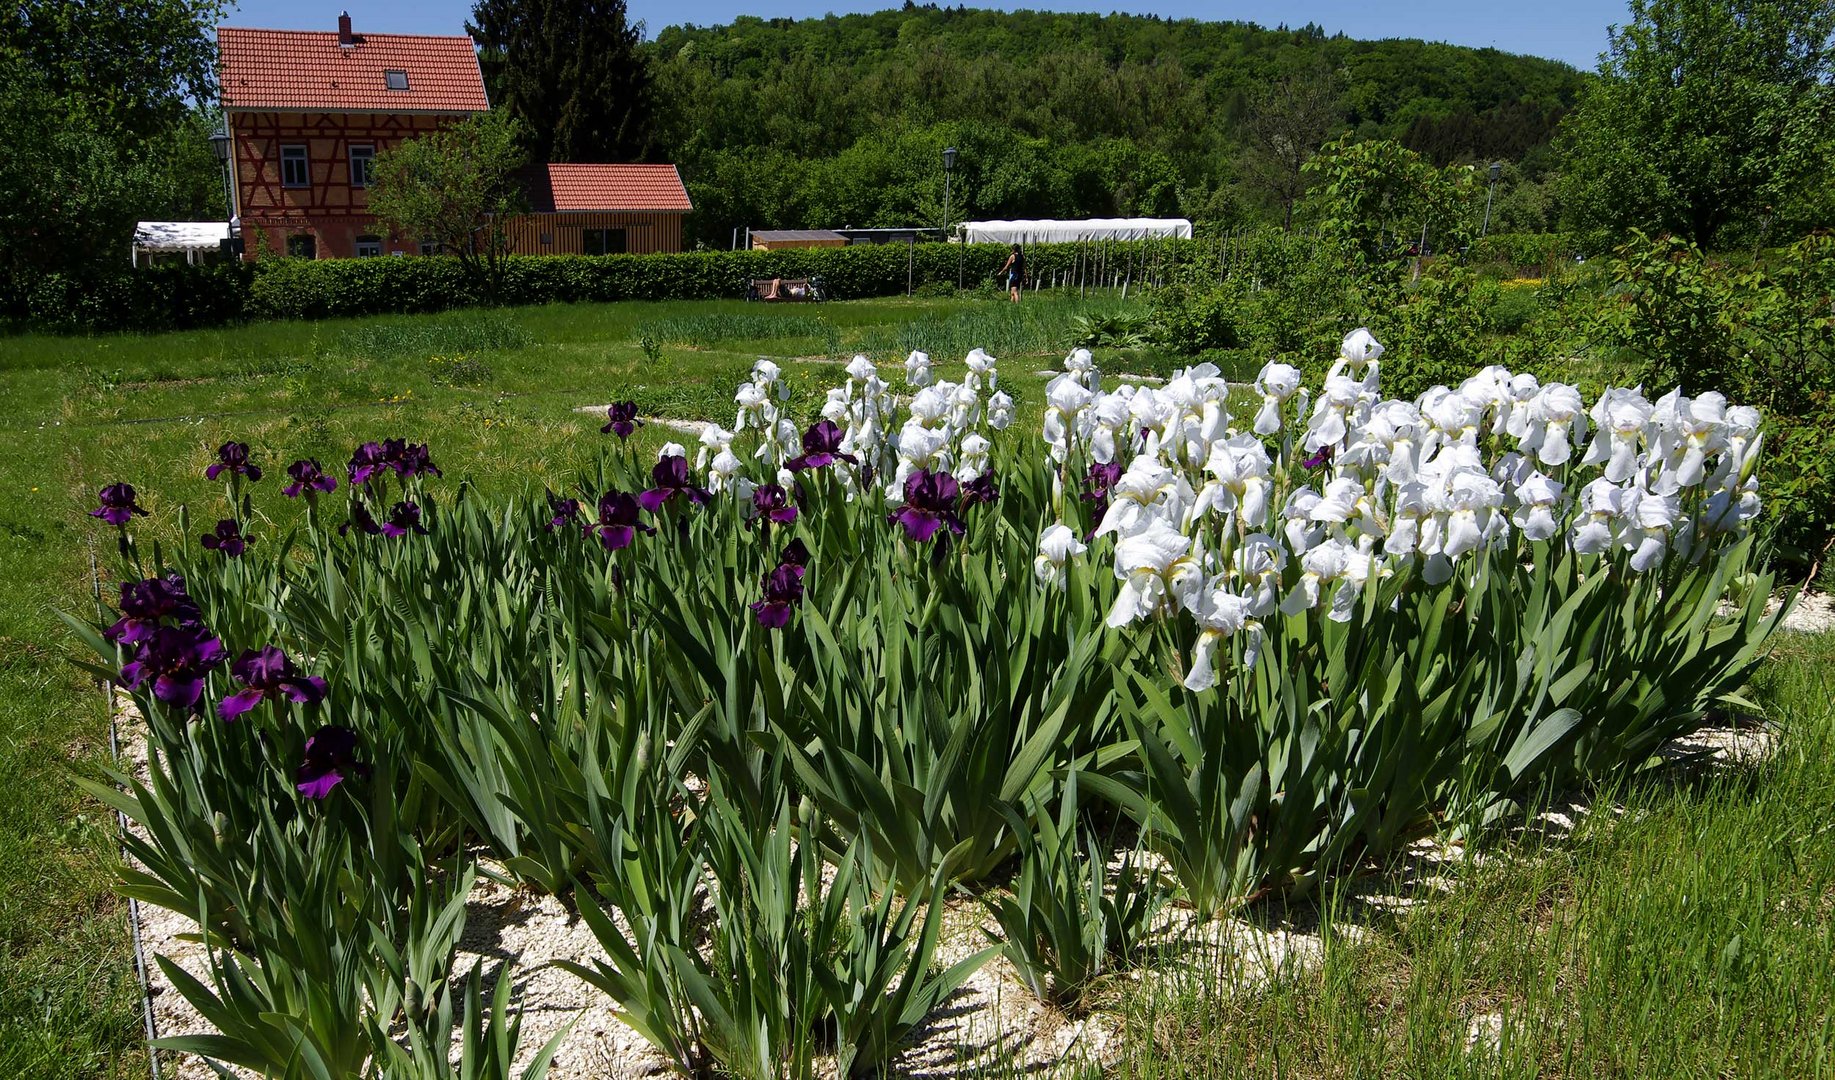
column 839, row 120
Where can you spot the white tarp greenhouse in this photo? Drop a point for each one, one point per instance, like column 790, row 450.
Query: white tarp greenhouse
column 1070, row 232
column 191, row 238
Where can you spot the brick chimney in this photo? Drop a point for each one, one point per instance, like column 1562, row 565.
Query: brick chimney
column 345, row 37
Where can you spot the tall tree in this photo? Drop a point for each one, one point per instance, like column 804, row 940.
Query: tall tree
column 1287, row 123
column 572, row 72
column 135, row 67
column 1706, row 113
column 100, row 128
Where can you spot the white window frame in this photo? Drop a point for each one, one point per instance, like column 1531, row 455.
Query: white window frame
column 291, row 153
column 366, row 153
column 374, row 243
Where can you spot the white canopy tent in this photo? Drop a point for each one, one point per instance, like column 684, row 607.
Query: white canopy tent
column 192, row 238
column 1071, row 232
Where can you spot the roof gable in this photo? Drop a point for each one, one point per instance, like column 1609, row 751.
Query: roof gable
column 309, row 71
column 575, row 186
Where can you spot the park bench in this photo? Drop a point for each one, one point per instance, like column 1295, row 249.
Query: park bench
column 794, row 289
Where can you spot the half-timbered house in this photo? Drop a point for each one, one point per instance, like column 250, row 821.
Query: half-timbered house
column 308, row 111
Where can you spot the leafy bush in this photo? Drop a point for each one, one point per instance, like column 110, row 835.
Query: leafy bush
column 171, row 297
column 1536, row 252
column 1767, row 336
column 1436, row 334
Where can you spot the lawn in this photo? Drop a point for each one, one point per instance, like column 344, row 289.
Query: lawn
column 1688, row 935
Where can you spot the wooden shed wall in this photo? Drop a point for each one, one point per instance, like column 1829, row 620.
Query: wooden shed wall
column 644, row 233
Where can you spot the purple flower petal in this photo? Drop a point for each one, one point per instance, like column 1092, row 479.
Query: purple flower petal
column 319, row 784
column 239, row 702
column 180, row 690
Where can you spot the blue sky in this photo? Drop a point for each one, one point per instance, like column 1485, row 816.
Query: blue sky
column 1570, row 30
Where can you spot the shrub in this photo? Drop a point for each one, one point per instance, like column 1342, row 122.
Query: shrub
column 1526, row 252
column 170, row 297
column 1767, row 336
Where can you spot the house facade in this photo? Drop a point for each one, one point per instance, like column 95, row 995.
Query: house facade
column 308, row 111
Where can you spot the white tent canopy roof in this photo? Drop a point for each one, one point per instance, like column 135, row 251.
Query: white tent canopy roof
column 1059, row 232
column 180, row 235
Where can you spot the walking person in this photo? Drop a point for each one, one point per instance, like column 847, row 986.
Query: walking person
column 1015, row 271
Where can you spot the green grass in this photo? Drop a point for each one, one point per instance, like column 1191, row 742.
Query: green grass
column 1690, row 936
column 1692, row 933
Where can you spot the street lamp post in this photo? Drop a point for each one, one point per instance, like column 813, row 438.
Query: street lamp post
column 220, row 145
column 1497, row 170
column 949, row 166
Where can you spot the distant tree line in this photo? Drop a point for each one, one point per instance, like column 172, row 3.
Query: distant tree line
column 1713, row 120
column 841, row 120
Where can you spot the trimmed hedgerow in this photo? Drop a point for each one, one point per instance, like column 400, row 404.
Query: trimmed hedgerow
column 279, row 288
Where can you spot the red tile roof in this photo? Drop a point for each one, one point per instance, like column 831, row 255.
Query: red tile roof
column 308, row 70
column 608, row 187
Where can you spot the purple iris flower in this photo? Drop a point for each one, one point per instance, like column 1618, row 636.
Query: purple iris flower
column 118, row 505
column 670, row 475
column 930, row 504
column 360, row 519
column 981, row 489
column 821, row 447
column 1098, row 483
column 145, row 604
column 771, row 505
column 268, row 674
column 795, row 555
column 367, row 461
column 1324, row 455
column 1101, row 480
column 329, row 760
column 227, row 539
column 177, row 659
column 621, row 419
column 308, row 476
column 565, row 511
column 409, row 459
column 404, row 518
column 232, row 457
column 619, row 521
column 783, row 590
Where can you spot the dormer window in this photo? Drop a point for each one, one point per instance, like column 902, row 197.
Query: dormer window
column 397, row 80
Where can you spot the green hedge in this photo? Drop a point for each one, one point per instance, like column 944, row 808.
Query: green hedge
column 169, row 297
column 178, row 296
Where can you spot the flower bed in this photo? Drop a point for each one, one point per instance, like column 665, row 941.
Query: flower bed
column 752, row 713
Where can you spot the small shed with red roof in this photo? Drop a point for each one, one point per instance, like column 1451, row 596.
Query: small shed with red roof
column 584, row 209
column 308, row 111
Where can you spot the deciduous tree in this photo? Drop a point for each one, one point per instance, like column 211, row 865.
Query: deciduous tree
column 1287, row 123
column 1707, row 113
column 455, row 187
